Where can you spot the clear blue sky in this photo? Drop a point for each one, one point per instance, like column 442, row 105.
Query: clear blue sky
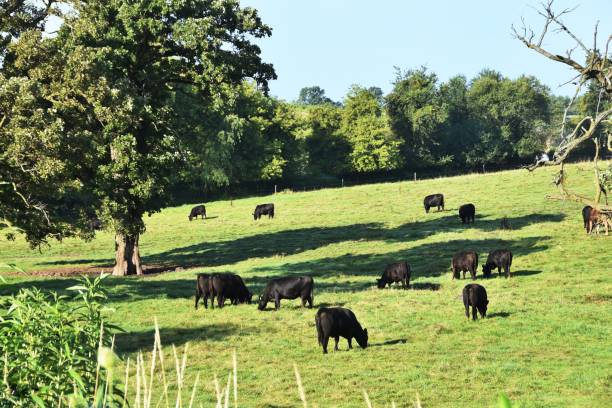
column 337, row 43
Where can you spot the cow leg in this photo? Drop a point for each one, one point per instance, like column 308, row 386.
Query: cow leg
column 473, row 273
column 474, row 313
column 463, row 274
column 467, row 309
column 336, row 339
column 303, row 301
column 197, row 298
column 220, row 301
column 499, row 270
column 206, row 301
column 325, row 342
column 277, row 302
column 350, row 342
column 507, row 270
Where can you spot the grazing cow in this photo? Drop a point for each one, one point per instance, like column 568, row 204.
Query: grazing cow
column 586, row 214
column 290, row 287
column 263, row 209
column 464, row 262
column 203, row 289
column 395, row 272
column 228, row 286
column 500, row 258
column 433, row 200
column 95, row 223
column 597, row 219
column 339, row 322
column 197, row 210
column 466, row 213
column 476, row 296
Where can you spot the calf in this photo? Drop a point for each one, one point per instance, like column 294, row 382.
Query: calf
column 433, row 200
column 202, row 289
column 338, row 322
column 586, row 214
column 197, row 210
column 395, row 272
column 290, row 287
column 476, row 296
column 263, row 209
column 597, row 219
column 464, row 262
column 228, row 286
column 466, row 213
column 500, row 258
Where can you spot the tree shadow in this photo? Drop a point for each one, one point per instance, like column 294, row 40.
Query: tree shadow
column 501, row 315
column 389, row 343
column 291, row 242
column 130, row 342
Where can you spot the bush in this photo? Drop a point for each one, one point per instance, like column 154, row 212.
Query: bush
column 49, row 343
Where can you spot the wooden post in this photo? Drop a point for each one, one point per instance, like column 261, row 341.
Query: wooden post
column 275, row 189
column 342, row 182
column 415, row 176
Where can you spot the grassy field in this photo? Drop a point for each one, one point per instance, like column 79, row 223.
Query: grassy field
column 546, row 341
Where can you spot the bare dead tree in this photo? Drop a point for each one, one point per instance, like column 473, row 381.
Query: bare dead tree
column 597, row 68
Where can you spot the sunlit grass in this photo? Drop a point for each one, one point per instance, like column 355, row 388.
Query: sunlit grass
column 546, row 341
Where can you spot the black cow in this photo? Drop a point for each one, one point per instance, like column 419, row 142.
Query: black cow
column 466, row 213
column 290, row 287
column 476, row 296
column 203, row 289
column 228, row 286
column 586, row 215
column 464, row 262
column 339, row 322
column 500, row 258
column 263, row 209
column 95, row 223
column 393, row 273
column 197, row 210
column 433, row 200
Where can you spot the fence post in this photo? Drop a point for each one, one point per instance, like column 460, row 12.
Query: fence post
column 275, row 189
column 415, row 176
column 343, row 182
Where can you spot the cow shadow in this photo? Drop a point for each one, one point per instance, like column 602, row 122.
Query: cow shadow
column 425, row 286
column 129, row 342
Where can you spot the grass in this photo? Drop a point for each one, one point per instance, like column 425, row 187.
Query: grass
column 546, row 341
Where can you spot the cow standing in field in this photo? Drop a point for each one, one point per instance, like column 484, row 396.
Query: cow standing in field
column 393, row 273
column 500, row 259
column 597, row 219
column 476, row 296
column 467, row 213
column 339, row 322
column 464, row 262
column 434, row 200
column 586, row 214
column 228, row 286
column 263, row 209
column 197, row 210
column 290, row 287
column 202, row 289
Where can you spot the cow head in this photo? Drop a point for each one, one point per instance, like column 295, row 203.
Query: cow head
column 190, row 217
column 486, row 269
column 381, row 283
column 362, row 339
column 263, row 302
column 254, row 216
column 483, row 309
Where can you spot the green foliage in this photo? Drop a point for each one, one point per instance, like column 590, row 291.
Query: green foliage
column 373, row 146
column 49, row 343
column 313, row 95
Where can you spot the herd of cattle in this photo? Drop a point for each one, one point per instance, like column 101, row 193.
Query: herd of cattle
column 340, row 322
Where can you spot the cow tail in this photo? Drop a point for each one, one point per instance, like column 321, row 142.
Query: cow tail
column 319, row 329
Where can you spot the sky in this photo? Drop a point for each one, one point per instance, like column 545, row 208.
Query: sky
column 337, row 43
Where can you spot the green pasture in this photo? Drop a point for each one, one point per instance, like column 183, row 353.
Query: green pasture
column 546, row 341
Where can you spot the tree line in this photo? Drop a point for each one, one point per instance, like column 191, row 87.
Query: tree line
column 125, row 101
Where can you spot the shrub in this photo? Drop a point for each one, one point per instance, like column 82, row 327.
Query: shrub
column 49, row 343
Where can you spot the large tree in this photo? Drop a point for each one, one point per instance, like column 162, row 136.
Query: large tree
column 141, row 90
column 593, row 66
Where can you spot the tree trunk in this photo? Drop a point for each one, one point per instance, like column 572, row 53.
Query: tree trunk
column 127, row 255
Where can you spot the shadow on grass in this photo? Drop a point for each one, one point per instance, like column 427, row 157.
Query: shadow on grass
column 425, row 286
column 388, row 343
column 501, row 315
column 130, row 342
column 291, row 242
